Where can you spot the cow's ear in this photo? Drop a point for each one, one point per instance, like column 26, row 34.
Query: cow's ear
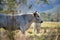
column 34, row 14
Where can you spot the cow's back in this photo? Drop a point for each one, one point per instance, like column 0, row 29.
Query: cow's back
column 17, row 22
column 3, row 20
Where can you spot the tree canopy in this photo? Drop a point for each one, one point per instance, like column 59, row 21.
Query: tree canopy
column 10, row 4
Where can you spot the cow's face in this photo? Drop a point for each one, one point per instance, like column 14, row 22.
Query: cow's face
column 37, row 17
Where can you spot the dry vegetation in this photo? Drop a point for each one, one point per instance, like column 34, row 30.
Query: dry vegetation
column 51, row 24
column 49, row 31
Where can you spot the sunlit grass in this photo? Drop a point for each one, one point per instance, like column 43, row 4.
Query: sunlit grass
column 30, row 32
column 46, row 25
column 50, row 24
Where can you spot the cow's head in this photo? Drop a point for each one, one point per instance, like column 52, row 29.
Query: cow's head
column 37, row 17
column 38, row 21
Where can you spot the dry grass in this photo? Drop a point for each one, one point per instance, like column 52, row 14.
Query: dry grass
column 29, row 35
column 50, row 24
column 46, row 25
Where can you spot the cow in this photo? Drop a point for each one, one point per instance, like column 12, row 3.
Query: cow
column 22, row 21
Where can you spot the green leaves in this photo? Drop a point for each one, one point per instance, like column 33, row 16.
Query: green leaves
column 11, row 3
column 40, row 1
column 1, row 6
column 1, row 9
column 44, row 0
column 30, row 6
column 24, row 1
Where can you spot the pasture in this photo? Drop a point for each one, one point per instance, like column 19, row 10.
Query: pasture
column 48, row 31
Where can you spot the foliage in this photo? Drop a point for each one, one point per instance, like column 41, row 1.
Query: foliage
column 54, row 17
column 11, row 4
column 1, row 6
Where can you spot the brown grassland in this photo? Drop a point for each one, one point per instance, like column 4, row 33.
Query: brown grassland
column 48, row 31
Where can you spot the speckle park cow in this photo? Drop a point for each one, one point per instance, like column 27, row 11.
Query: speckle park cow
column 20, row 21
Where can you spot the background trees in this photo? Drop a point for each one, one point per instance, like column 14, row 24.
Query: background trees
column 8, row 5
column 54, row 17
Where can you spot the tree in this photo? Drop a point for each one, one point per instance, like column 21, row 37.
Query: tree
column 16, row 4
column 1, row 5
column 19, row 4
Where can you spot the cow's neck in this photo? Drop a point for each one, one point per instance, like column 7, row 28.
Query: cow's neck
column 28, row 25
column 30, row 22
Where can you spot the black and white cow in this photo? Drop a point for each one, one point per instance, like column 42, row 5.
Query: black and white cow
column 20, row 21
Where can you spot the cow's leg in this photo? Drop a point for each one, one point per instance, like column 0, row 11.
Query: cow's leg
column 37, row 28
column 22, row 30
